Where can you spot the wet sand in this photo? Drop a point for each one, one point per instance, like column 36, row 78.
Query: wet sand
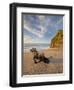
column 55, row 56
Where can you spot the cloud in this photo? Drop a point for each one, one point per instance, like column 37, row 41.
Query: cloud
column 58, row 23
column 27, row 39
column 30, row 29
column 41, row 18
column 38, row 32
column 40, row 24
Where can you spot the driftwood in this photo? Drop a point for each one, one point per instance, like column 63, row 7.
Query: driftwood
column 37, row 57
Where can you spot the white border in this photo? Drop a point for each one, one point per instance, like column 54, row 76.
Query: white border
column 49, row 77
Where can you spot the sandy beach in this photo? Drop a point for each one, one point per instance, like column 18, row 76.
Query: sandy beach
column 55, row 55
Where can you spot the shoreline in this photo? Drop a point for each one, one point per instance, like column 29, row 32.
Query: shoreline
column 30, row 68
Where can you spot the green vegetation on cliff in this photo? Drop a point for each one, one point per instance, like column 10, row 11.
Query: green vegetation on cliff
column 57, row 40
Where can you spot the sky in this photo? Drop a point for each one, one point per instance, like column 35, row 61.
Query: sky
column 40, row 28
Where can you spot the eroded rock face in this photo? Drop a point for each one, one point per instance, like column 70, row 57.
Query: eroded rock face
column 57, row 41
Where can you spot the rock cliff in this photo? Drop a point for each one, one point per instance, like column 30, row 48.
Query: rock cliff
column 57, row 41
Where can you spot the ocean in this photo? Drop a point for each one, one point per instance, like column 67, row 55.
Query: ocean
column 38, row 46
